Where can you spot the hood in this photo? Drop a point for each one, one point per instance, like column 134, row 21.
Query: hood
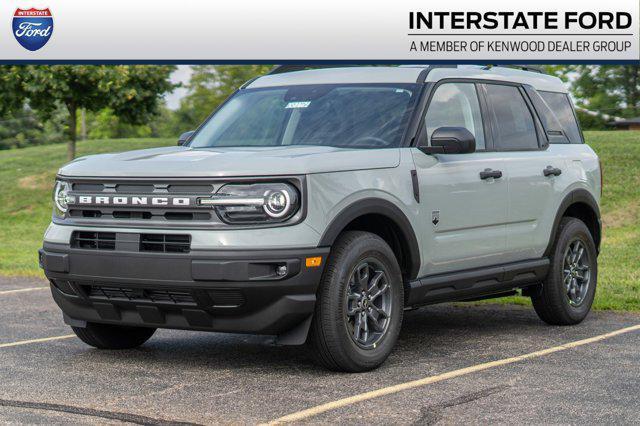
column 180, row 161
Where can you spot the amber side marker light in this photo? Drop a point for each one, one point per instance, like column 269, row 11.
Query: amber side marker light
column 313, row 262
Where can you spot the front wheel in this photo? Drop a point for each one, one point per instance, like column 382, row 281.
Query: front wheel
column 360, row 303
column 568, row 292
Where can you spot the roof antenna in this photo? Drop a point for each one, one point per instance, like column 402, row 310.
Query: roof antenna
column 487, row 67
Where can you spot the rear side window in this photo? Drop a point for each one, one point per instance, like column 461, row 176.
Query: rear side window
column 514, row 126
column 560, row 104
column 554, row 130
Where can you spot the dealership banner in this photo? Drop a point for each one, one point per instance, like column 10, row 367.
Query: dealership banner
column 293, row 30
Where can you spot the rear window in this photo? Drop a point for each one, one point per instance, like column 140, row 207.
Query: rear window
column 560, row 104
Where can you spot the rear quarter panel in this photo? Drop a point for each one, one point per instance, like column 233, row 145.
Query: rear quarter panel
column 581, row 171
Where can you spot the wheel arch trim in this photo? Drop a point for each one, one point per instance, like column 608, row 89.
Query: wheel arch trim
column 574, row 197
column 381, row 207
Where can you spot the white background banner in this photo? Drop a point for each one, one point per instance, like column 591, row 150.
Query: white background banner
column 294, row 30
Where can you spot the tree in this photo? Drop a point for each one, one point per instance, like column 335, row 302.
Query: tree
column 104, row 124
column 22, row 128
column 11, row 89
column 168, row 124
column 607, row 89
column 210, row 85
column 131, row 92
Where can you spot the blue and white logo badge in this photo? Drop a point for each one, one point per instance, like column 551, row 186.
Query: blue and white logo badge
column 33, row 27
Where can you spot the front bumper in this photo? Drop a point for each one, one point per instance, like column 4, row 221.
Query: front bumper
column 228, row 291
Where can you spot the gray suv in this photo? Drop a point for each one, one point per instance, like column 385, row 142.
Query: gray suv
column 317, row 205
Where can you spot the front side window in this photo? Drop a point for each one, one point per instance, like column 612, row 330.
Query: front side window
column 514, row 125
column 456, row 105
column 346, row 116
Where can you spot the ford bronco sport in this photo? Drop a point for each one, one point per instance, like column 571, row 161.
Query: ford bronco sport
column 316, row 205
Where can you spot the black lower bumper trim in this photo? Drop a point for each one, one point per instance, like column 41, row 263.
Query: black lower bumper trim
column 258, row 292
column 277, row 318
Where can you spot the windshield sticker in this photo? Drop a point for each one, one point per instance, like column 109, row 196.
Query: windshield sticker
column 298, row 104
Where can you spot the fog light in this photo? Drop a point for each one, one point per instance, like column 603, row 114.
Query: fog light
column 281, row 270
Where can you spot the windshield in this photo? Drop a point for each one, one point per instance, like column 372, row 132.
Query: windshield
column 349, row 116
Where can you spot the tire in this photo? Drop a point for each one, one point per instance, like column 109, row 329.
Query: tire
column 337, row 342
column 559, row 302
column 106, row 336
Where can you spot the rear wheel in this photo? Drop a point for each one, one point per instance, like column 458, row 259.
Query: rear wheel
column 106, row 336
column 360, row 304
column 568, row 292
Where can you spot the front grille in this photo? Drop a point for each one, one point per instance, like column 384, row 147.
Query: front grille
column 142, row 214
column 165, row 243
column 85, row 213
column 174, row 297
column 93, row 240
column 134, row 188
column 154, row 243
column 217, row 298
column 187, row 216
column 145, row 188
column 191, row 189
column 88, row 187
column 118, row 214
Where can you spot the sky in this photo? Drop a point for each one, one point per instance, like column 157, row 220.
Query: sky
column 181, row 75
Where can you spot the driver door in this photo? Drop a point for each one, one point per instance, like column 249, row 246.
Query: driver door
column 464, row 215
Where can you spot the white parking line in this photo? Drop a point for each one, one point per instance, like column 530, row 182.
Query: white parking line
column 23, row 290
column 333, row 405
column 28, row 342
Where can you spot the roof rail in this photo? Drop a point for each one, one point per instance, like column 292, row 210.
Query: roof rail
column 529, row 68
column 422, row 77
column 281, row 69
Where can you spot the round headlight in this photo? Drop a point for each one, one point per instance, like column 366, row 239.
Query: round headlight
column 277, row 203
column 255, row 203
column 61, row 197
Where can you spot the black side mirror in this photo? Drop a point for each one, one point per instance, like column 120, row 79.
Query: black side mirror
column 184, row 138
column 450, row 140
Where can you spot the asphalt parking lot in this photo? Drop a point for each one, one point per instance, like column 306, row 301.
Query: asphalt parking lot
column 453, row 364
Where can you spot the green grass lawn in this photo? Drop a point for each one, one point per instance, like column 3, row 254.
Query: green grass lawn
column 619, row 261
column 26, row 184
column 27, row 175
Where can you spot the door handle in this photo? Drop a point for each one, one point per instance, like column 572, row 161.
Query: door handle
column 550, row 170
column 488, row 173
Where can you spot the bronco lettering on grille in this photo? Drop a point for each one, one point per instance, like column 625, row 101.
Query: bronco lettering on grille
column 102, row 200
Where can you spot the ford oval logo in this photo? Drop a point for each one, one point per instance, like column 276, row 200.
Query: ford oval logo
column 32, row 27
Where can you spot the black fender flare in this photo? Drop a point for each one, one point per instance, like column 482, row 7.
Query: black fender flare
column 381, row 207
column 576, row 196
